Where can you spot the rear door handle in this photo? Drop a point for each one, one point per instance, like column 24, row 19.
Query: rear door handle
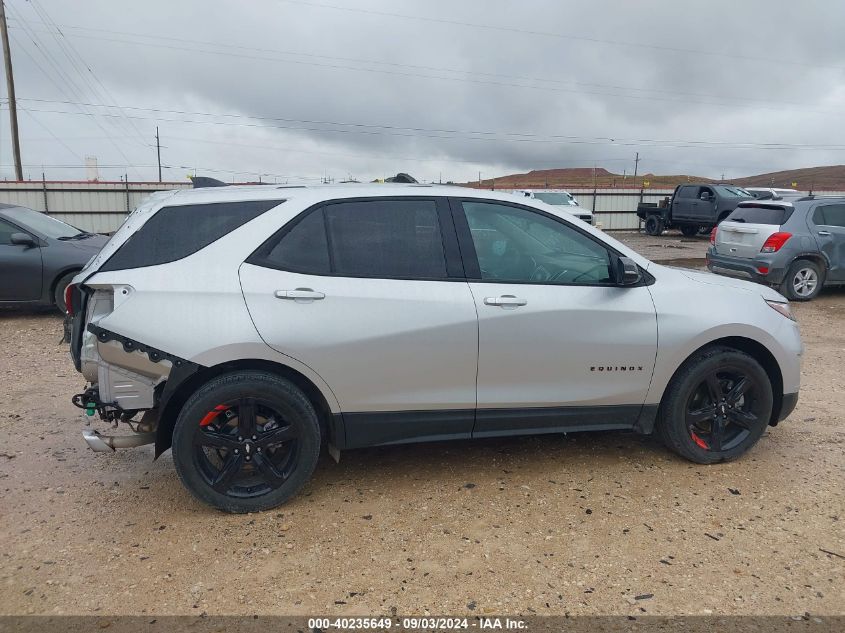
column 300, row 294
column 505, row 301
column 824, row 232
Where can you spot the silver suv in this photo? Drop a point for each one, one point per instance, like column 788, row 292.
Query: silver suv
column 796, row 246
column 247, row 327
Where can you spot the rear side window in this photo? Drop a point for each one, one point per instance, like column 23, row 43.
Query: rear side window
column 773, row 215
column 176, row 232
column 368, row 238
column 830, row 215
column 304, row 249
column 687, row 191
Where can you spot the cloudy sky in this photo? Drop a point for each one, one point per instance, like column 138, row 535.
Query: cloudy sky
column 304, row 89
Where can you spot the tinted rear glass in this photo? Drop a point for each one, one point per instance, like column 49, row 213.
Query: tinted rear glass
column 386, row 238
column 761, row 215
column 176, row 232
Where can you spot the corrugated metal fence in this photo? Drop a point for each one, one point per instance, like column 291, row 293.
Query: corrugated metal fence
column 101, row 207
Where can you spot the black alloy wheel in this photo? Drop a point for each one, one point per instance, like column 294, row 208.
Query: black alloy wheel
column 716, row 406
column 246, row 441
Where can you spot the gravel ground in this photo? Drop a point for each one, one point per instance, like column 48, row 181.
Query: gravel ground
column 606, row 523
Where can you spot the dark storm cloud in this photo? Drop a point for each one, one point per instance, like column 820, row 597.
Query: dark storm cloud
column 491, row 86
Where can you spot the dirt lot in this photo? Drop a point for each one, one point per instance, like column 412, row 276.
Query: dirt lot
column 602, row 523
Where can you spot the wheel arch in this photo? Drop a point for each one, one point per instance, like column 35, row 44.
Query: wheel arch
column 758, row 352
column 174, row 401
column 815, row 257
column 57, row 276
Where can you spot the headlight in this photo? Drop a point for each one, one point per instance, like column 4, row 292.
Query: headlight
column 781, row 307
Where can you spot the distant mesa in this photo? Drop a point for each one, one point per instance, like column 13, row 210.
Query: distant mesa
column 829, row 178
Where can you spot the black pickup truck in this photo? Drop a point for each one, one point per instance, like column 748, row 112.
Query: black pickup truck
column 691, row 208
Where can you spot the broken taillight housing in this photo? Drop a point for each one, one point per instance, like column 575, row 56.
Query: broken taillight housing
column 775, row 242
column 69, row 299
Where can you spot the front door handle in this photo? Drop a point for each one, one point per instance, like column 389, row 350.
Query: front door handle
column 300, row 294
column 505, row 301
column 824, row 232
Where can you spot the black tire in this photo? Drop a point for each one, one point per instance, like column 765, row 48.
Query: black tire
column 228, row 467
column 653, row 225
column 59, row 291
column 803, row 280
column 685, row 422
column 689, row 230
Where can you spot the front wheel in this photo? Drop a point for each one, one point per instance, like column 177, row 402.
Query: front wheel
column 246, row 441
column 716, row 407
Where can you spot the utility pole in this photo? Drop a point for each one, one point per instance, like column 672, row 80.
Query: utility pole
column 636, row 164
column 479, row 180
column 10, row 86
column 158, row 153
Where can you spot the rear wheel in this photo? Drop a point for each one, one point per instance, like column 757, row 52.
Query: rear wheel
column 689, row 230
column 803, row 280
column 653, row 225
column 716, row 407
column 246, row 441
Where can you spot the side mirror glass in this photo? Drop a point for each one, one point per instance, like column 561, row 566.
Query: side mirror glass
column 22, row 239
column 705, row 196
column 627, row 272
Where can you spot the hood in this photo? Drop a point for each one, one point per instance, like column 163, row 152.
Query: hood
column 730, row 282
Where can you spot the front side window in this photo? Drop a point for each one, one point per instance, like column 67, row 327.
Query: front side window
column 6, row 231
column 368, row 238
column 517, row 245
column 830, row 215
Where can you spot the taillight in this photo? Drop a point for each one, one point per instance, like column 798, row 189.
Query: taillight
column 69, row 298
column 775, row 242
column 713, row 235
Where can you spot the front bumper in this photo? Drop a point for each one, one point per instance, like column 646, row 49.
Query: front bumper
column 744, row 268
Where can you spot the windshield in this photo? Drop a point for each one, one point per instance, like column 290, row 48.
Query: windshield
column 42, row 223
column 732, row 192
column 555, row 197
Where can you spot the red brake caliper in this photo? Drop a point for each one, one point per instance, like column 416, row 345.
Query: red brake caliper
column 701, row 443
column 209, row 417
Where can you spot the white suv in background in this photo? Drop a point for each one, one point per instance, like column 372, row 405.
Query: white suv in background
column 558, row 198
column 250, row 326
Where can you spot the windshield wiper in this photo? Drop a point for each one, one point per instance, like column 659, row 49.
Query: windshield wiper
column 82, row 235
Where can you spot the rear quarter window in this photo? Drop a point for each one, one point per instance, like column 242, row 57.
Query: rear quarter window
column 176, row 232
column 773, row 215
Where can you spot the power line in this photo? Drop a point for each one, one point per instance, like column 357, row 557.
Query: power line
column 444, row 133
column 729, row 102
column 765, row 102
column 563, row 36
column 63, row 78
column 80, row 65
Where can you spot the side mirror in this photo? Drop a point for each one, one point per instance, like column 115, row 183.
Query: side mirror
column 705, row 196
column 627, row 272
column 22, row 239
